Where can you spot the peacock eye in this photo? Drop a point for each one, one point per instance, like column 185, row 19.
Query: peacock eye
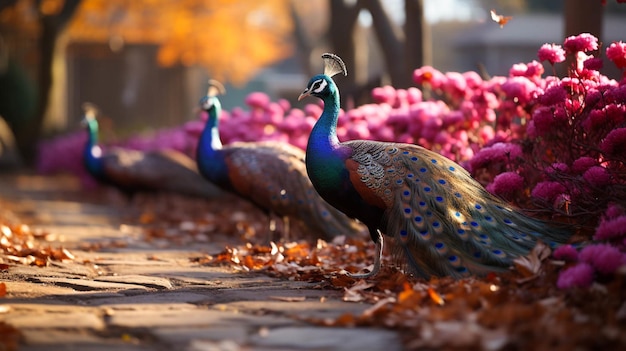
column 318, row 86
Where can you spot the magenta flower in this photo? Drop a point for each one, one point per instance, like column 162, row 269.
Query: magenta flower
column 582, row 164
column 615, row 142
column 496, row 153
column 553, row 95
column 594, row 64
column 604, row 258
column 611, row 229
column 428, row 75
column 566, row 252
column 552, row 53
column 583, row 42
column 548, row 190
column 257, row 100
column 578, row 276
column 506, row 184
column 519, row 89
column 616, row 52
column 597, row 176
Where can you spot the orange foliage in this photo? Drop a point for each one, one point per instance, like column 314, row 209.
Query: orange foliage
column 232, row 39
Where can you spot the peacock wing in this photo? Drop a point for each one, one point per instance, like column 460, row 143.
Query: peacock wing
column 165, row 170
column 273, row 175
column 442, row 220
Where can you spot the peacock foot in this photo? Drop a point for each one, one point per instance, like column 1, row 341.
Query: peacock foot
column 377, row 261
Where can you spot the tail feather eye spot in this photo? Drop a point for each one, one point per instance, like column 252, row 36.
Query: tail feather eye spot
column 451, row 169
column 418, row 219
column 422, row 204
column 441, row 181
column 423, row 169
column 462, row 270
column 457, row 194
column 433, row 161
column 425, row 234
column 439, row 199
column 498, row 253
column 414, row 158
column 427, row 189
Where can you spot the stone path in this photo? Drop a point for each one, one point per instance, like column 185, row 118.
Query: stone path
column 147, row 297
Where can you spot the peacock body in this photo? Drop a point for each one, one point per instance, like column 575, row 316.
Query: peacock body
column 442, row 220
column 270, row 174
column 133, row 171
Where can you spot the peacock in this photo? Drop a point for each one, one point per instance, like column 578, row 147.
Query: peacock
column 270, row 174
column 443, row 222
column 133, row 171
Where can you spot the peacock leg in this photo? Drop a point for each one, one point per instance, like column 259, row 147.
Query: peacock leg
column 377, row 261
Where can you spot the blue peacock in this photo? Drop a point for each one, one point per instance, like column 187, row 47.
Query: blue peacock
column 443, row 222
column 272, row 175
column 133, row 171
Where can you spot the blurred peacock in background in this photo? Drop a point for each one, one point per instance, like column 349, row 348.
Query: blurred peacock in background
column 270, row 174
column 133, row 171
column 443, row 222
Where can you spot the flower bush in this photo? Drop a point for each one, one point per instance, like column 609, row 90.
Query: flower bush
column 549, row 143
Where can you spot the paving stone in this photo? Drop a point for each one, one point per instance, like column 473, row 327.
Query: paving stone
column 141, row 300
column 148, row 281
column 335, row 339
column 85, row 285
column 186, row 335
column 195, row 318
column 69, row 317
column 305, row 309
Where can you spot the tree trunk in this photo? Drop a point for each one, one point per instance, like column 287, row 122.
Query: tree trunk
column 417, row 46
column 51, row 27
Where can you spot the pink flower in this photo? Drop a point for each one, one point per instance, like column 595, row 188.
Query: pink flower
column 553, row 95
column 578, row 276
column 582, row 164
column 552, row 53
column 519, row 89
column 611, row 229
column 615, row 142
column 496, row 153
column 566, row 252
column 257, row 100
column 428, row 75
column 597, row 176
column 603, row 257
column 616, row 52
column 582, row 42
column 505, row 184
column 548, row 190
column 594, row 64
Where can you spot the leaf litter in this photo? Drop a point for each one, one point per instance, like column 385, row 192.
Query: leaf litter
column 519, row 309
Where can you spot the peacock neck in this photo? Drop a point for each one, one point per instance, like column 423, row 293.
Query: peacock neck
column 324, row 160
column 209, row 153
column 93, row 152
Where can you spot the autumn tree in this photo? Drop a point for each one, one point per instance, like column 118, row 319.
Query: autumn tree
column 232, row 39
column 404, row 47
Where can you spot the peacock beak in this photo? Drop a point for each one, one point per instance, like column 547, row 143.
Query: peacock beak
column 304, row 94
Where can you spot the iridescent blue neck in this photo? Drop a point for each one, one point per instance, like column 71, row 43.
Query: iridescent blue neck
column 324, row 133
column 324, row 160
column 209, row 157
column 93, row 153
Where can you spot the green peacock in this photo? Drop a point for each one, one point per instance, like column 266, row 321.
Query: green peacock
column 272, row 175
column 443, row 222
column 133, row 171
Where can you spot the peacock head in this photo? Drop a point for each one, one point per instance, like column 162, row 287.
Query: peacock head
column 321, row 85
column 210, row 100
column 90, row 112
